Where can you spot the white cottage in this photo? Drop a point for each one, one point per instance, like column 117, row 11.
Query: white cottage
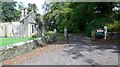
column 24, row 28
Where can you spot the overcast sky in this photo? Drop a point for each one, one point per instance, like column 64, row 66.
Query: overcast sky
column 38, row 3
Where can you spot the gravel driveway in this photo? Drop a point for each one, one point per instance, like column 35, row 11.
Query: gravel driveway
column 77, row 51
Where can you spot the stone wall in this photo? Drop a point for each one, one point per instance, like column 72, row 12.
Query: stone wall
column 16, row 29
column 13, row 50
column 10, row 29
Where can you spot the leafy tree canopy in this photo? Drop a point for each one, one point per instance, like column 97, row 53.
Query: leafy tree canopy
column 9, row 12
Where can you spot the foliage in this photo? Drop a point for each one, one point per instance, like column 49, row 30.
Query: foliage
column 9, row 13
column 34, row 36
column 114, row 27
column 32, row 7
column 96, row 24
column 77, row 16
column 116, row 12
column 60, row 36
column 49, row 33
column 20, row 6
column 53, row 18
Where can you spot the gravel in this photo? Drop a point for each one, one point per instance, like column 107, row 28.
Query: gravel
column 77, row 51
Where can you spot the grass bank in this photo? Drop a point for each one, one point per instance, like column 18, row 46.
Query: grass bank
column 7, row 41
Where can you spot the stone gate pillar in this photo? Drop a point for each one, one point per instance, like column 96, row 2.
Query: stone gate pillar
column 93, row 34
column 65, row 33
column 105, row 32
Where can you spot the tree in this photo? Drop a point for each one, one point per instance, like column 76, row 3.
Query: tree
column 20, row 6
column 38, row 25
column 77, row 15
column 32, row 7
column 116, row 12
column 9, row 13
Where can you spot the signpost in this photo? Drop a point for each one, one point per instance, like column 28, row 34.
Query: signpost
column 99, row 33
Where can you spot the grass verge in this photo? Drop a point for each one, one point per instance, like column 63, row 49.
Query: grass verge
column 7, row 41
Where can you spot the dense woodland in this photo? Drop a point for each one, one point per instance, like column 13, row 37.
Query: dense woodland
column 82, row 16
column 76, row 16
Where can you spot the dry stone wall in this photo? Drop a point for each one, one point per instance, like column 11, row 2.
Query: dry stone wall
column 13, row 50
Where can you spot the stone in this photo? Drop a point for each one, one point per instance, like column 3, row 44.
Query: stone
column 105, row 32
column 65, row 33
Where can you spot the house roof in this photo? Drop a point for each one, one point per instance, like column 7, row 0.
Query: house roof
column 21, row 20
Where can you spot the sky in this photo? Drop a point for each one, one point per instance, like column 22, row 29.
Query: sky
column 38, row 3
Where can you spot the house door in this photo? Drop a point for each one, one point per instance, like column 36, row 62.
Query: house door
column 31, row 30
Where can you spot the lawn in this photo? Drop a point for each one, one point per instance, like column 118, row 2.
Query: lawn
column 7, row 41
column 60, row 36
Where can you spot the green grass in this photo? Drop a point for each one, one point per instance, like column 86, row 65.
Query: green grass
column 7, row 41
column 49, row 33
column 60, row 36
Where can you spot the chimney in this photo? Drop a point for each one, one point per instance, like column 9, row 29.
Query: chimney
column 22, row 13
column 25, row 11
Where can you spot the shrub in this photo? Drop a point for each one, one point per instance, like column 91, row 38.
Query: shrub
column 96, row 24
column 49, row 33
column 34, row 36
column 114, row 27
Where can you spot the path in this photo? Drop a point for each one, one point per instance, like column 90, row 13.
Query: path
column 77, row 51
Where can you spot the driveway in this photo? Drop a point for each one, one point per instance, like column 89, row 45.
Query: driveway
column 78, row 50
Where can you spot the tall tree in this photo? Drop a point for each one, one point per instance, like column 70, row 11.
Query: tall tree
column 76, row 15
column 9, row 13
column 32, row 7
column 20, row 6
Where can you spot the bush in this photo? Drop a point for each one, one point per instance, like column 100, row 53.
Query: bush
column 114, row 27
column 96, row 24
column 34, row 36
column 49, row 33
